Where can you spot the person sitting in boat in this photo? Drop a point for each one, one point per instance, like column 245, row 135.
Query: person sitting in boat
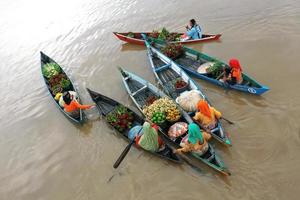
column 233, row 75
column 146, row 137
column 207, row 116
column 59, row 97
column 195, row 141
column 71, row 104
column 193, row 31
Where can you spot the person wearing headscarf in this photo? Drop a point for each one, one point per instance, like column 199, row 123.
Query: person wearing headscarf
column 207, row 116
column 233, row 75
column 147, row 138
column 195, row 141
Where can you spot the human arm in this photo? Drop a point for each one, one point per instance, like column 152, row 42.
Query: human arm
column 191, row 32
column 81, row 106
column 206, row 135
column 187, row 148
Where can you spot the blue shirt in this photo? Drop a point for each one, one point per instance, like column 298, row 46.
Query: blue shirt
column 195, row 33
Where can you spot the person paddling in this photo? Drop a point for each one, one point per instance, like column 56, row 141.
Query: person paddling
column 193, row 31
column 71, row 105
column 207, row 116
column 233, row 75
column 195, row 141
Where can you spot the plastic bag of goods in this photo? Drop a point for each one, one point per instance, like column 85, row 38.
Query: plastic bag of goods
column 188, row 100
column 177, row 129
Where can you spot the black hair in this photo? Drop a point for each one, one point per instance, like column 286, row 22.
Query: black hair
column 67, row 98
column 193, row 22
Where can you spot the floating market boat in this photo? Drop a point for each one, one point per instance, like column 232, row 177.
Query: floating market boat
column 106, row 105
column 45, row 61
column 141, row 90
column 136, row 38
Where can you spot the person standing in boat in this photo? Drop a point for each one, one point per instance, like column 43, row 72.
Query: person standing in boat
column 207, row 116
column 233, row 75
column 195, row 141
column 194, row 31
column 71, row 104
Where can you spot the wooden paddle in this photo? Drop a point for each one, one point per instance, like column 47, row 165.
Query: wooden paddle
column 125, row 151
column 123, row 154
column 227, row 120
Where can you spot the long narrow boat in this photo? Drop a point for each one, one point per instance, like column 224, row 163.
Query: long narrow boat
column 106, row 105
column 195, row 63
column 138, row 39
column 166, row 71
column 76, row 119
column 139, row 90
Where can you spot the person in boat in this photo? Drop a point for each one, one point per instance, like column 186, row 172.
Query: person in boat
column 146, row 137
column 233, row 75
column 59, row 97
column 207, row 116
column 71, row 104
column 193, row 31
column 195, row 141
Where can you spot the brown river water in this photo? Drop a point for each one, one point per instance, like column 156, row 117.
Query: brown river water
column 44, row 156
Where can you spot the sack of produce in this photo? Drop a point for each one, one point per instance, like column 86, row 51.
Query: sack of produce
column 163, row 105
column 188, row 100
column 178, row 129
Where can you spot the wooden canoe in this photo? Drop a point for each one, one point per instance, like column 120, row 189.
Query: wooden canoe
column 138, row 39
column 105, row 105
column 191, row 60
column 78, row 119
column 139, row 90
column 165, row 71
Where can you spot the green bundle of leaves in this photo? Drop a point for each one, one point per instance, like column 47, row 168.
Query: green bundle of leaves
column 216, row 69
column 120, row 118
column 163, row 34
column 130, row 34
column 50, row 69
column 65, row 83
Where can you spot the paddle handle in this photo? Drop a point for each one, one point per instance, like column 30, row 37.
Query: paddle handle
column 123, row 154
column 227, row 120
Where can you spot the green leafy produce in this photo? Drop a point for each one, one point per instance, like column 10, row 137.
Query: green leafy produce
column 50, row 69
column 216, row 69
column 56, row 89
column 120, row 118
column 65, row 83
column 130, row 34
column 163, row 34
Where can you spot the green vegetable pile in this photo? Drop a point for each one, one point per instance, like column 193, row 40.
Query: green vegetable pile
column 58, row 81
column 130, row 34
column 164, row 34
column 51, row 69
column 120, row 118
column 158, row 118
column 216, row 69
